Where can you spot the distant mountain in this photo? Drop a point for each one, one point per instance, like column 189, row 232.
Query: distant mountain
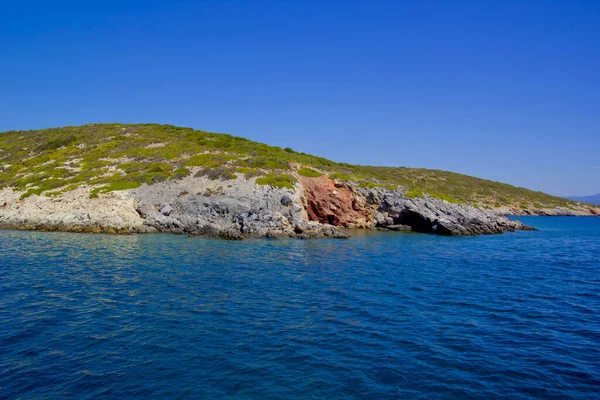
column 594, row 199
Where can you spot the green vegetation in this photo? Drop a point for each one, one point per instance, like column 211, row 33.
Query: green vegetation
column 31, row 192
column 277, row 180
column 342, row 177
column 249, row 172
column 122, row 185
column 57, row 143
column 113, row 156
column 371, row 185
column 450, row 199
column 180, row 172
column 310, row 173
column 412, row 193
column 219, row 173
column 209, row 160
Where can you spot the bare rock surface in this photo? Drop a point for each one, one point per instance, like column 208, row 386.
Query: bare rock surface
column 231, row 209
column 430, row 215
column 239, row 208
column 72, row 211
column 328, row 202
column 580, row 210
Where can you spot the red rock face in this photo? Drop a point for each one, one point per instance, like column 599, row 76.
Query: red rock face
column 331, row 204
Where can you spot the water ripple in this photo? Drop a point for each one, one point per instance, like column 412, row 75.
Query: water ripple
column 383, row 315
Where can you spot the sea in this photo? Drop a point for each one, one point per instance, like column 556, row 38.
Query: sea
column 383, row 315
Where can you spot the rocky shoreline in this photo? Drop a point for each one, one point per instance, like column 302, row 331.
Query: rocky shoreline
column 586, row 211
column 239, row 208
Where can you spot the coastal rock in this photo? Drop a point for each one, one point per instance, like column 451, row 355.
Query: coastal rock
column 199, row 183
column 322, row 231
column 286, row 200
column 401, row 228
column 165, row 209
column 430, row 215
column 582, row 210
column 73, row 211
column 239, row 208
column 329, row 203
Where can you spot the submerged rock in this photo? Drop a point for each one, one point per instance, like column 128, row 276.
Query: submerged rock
column 399, row 227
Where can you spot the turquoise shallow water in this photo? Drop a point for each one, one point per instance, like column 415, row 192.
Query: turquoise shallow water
column 383, row 315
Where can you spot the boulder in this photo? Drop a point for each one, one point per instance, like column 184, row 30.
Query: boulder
column 286, row 200
column 430, row 215
column 165, row 209
column 400, row 228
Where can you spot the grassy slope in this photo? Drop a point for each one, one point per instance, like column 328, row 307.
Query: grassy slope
column 120, row 156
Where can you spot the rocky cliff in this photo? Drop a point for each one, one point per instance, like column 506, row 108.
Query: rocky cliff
column 238, row 208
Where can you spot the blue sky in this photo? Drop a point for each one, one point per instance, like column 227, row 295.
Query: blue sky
column 504, row 90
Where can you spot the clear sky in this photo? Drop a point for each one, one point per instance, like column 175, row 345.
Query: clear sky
column 505, row 90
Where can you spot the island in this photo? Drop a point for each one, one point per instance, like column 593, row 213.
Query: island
column 146, row 178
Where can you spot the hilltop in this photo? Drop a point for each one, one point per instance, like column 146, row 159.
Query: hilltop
column 123, row 156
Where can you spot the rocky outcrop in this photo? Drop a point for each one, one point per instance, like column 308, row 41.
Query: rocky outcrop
column 333, row 203
column 579, row 210
column 72, row 211
column 239, row 208
column 394, row 211
column 232, row 209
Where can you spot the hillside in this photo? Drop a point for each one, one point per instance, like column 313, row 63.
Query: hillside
column 119, row 156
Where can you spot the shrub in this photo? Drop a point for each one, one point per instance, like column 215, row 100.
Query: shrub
column 443, row 196
column 341, row 176
column 181, row 172
column 134, row 177
column 111, row 187
column 310, row 173
column 57, row 143
column 155, row 177
column 371, row 185
column 31, row 192
column 209, row 160
column 132, row 166
column 412, row 193
column 277, row 180
column 272, row 163
column 212, row 192
column 213, row 174
column 159, row 167
column 250, row 172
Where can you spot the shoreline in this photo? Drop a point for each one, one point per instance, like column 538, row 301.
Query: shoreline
column 240, row 208
column 346, row 230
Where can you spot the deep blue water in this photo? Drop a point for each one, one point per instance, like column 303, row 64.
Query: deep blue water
column 383, row 315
